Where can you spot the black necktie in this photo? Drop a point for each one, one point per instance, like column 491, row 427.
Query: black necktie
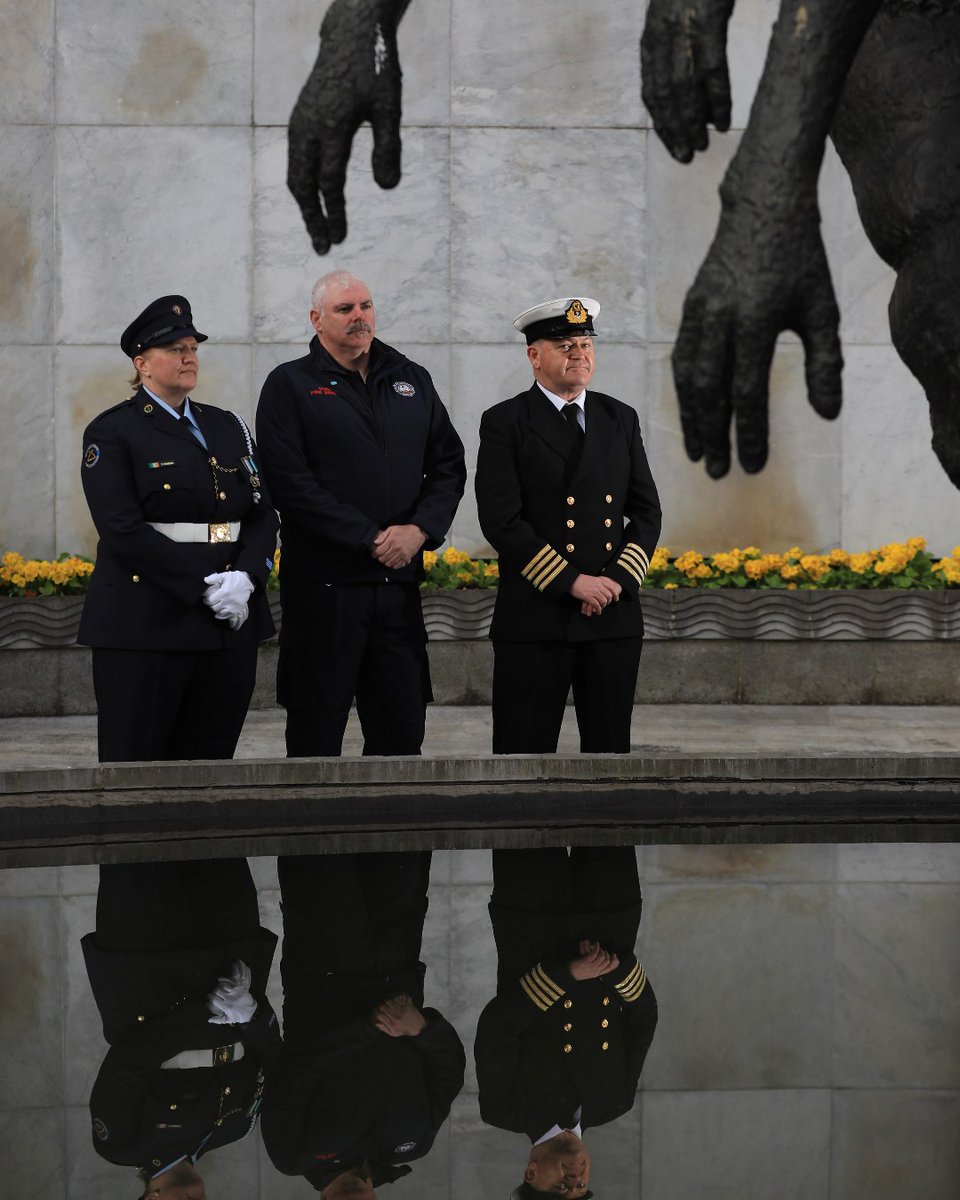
column 570, row 412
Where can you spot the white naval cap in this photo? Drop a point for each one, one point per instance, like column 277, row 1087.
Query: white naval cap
column 567, row 316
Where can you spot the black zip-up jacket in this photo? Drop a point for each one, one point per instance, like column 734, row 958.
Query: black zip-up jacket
column 345, row 458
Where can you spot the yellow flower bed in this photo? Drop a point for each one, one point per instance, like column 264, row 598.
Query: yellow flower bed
column 895, row 565
column 21, row 576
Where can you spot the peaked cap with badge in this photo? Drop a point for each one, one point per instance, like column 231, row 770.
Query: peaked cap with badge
column 561, row 318
column 161, row 322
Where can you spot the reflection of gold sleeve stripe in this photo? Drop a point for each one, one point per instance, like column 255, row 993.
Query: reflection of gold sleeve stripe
column 553, row 988
column 548, row 565
column 631, row 987
column 540, row 988
column 548, row 579
column 532, row 564
column 533, row 995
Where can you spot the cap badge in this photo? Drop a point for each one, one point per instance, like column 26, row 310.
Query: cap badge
column 92, row 455
column 177, row 310
column 404, row 389
column 576, row 314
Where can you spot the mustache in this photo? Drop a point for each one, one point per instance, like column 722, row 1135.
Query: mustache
column 359, row 326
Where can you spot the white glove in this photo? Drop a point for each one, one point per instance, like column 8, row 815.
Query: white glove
column 230, row 1001
column 227, row 595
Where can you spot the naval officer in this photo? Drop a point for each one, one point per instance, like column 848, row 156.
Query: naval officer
column 176, row 606
column 566, row 498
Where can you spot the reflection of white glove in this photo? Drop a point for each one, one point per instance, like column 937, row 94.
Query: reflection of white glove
column 230, row 1001
column 227, row 595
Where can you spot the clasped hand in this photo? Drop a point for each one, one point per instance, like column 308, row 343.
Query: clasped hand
column 396, row 545
column 593, row 962
column 399, row 1017
column 230, row 1001
column 594, row 592
column 227, row 595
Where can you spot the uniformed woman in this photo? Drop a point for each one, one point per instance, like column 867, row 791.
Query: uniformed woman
column 176, row 606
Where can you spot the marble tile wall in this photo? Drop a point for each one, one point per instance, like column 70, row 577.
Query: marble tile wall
column 807, row 1046
column 140, row 156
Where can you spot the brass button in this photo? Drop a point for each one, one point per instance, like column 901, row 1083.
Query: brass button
column 141, row 1018
column 218, row 1121
column 226, row 1091
column 213, row 460
column 570, row 547
column 567, row 1047
column 223, row 495
column 605, row 1046
column 156, row 1162
column 608, row 522
column 228, row 567
column 136, row 579
column 148, row 408
column 608, row 498
column 604, row 1023
column 167, row 487
column 606, row 1001
column 173, row 1108
column 570, row 524
column 567, row 1027
column 569, row 1003
column 609, row 545
column 570, row 500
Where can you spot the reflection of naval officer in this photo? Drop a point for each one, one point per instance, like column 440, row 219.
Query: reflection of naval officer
column 176, row 605
column 367, row 1075
column 178, row 966
column 561, row 1046
column 566, row 498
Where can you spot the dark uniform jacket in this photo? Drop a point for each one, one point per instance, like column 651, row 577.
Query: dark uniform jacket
column 153, row 1007
column 352, row 1094
column 142, row 465
column 345, row 458
column 550, row 1044
column 554, row 506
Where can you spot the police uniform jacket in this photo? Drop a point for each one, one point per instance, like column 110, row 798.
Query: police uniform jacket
column 350, row 1095
column 555, row 505
column 142, row 465
column 548, row 1045
column 345, row 458
column 153, row 1006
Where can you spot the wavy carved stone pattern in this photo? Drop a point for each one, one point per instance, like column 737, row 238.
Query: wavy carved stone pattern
column 27, row 623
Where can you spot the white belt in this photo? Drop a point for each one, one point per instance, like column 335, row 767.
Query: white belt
column 192, row 531
column 188, row 1060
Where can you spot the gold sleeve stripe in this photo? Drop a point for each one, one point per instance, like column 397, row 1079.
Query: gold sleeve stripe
column 540, row 988
column 631, row 569
column 631, row 987
column 544, row 567
column 632, row 550
column 532, row 564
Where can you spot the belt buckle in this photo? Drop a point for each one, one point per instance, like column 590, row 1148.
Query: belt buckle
column 219, row 532
column 223, row 1054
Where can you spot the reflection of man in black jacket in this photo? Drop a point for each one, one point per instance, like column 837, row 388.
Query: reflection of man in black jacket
column 366, row 470
column 188, row 1053
column 561, row 1046
column 367, row 1075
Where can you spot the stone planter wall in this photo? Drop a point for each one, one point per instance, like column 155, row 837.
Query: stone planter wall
column 702, row 647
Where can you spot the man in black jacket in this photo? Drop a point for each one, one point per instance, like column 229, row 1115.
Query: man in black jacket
column 366, row 470
column 566, row 498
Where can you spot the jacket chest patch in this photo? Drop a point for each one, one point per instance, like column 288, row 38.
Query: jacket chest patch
column 323, row 391
column 404, row 389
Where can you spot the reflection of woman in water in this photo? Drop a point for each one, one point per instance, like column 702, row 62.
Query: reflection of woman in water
column 178, row 966
column 367, row 1075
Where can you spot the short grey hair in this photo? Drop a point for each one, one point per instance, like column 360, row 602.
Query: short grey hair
column 318, row 295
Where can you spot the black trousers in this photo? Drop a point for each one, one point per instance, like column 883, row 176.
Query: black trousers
column 154, row 705
column 531, row 681
column 545, row 901
column 346, row 641
column 352, row 931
